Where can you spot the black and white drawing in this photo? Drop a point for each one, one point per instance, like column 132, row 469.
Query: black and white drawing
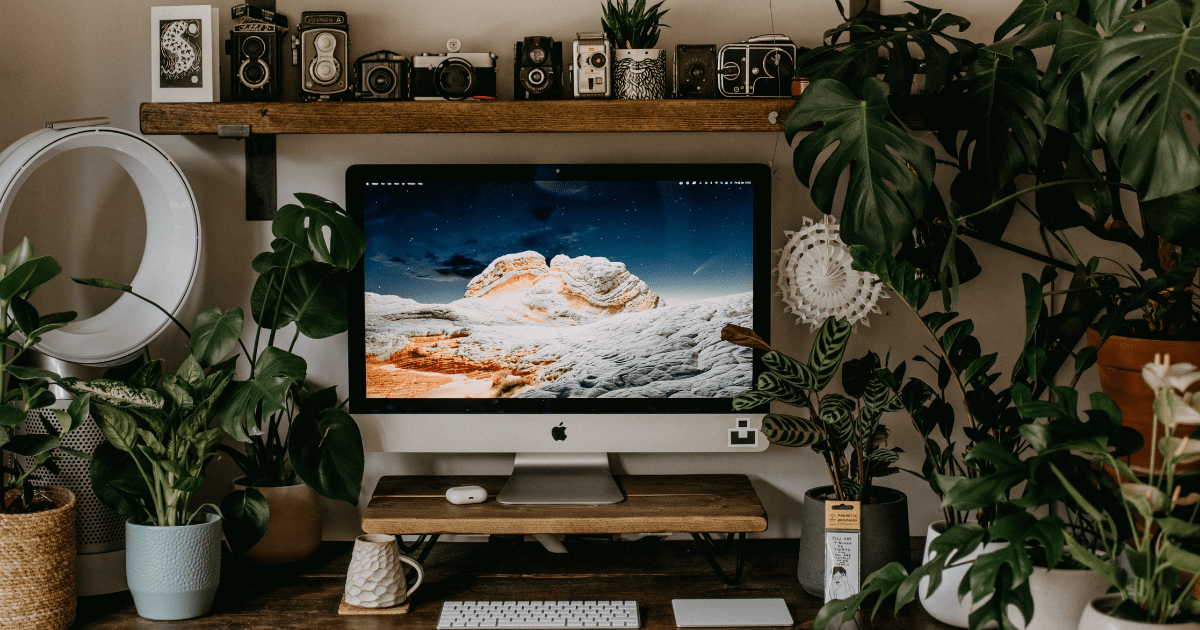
column 180, row 53
column 640, row 78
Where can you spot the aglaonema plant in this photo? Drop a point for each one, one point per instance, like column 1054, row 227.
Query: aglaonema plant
column 844, row 429
column 21, row 328
column 288, row 431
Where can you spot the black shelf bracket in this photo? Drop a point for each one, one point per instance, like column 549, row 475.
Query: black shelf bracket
column 261, row 194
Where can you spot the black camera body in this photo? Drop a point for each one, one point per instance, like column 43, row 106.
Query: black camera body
column 321, row 48
column 254, row 50
column 382, row 76
column 760, row 67
column 695, row 71
column 453, row 76
column 538, row 69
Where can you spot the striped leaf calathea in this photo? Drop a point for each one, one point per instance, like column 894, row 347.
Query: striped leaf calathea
column 844, row 428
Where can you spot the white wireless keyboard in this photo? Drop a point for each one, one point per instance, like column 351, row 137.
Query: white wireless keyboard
column 537, row 614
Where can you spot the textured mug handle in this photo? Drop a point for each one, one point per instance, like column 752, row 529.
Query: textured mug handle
column 420, row 574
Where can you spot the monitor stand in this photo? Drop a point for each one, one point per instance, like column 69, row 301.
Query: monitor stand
column 560, row 478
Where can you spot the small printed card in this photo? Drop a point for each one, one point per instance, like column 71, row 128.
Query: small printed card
column 184, row 67
column 841, row 549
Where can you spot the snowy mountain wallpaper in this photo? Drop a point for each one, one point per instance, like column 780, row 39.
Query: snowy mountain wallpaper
column 557, row 289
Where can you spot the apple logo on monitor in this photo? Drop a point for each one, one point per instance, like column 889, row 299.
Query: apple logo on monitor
column 559, row 433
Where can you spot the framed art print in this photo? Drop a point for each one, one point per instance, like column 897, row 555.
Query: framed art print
column 184, row 66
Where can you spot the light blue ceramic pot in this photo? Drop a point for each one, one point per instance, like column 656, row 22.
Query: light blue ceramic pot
column 173, row 571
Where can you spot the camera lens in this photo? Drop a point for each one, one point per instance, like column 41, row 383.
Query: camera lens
column 381, row 80
column 325, row 71
column 454, row 78
column 536, row 77
column 325, row 42
column 253, row 73
column 696, row 72
column 537, row 55
column 597, row 60
column 254, row 47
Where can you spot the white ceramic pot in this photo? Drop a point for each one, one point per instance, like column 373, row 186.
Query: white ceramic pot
column 943, row 603
column 639, row 73
column 1059, row 597
column 173, row 572
column 294, row 529
column 1095, row 618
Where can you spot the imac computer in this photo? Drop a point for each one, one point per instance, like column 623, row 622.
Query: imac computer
column 557, row 312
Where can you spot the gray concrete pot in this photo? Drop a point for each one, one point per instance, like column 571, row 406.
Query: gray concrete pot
column 884, row 535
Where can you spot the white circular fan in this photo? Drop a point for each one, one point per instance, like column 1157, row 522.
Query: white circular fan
column 816, row 281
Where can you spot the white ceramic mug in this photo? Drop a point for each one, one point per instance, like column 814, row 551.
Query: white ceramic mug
column 375, row 578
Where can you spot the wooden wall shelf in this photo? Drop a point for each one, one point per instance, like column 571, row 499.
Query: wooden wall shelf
column 565, row 116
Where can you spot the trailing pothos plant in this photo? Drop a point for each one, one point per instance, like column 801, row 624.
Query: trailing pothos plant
column 1001, row 475
column 21, row 328
column 288, row 430
column 158, row 427
column 844, row 429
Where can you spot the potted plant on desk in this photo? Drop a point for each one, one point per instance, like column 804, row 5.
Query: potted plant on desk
column 37, row 523
column 639, row 69
column 845, row 430
column 296, row 440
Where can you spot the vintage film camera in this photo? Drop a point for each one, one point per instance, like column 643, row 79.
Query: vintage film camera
column 759, row 67
column 381, row 76
column 538, row 69
column 591, row 66
column 695, row 71
column 453, row 76
column 254, row 49
column 321, row 48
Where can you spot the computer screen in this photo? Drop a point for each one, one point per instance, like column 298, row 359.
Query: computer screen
column 556, row 289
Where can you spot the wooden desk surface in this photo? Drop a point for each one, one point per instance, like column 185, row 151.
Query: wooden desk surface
column 305, row 596
column 653, row 503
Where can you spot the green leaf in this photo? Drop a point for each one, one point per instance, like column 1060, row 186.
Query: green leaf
column 283, row 254
column 786, row 430
column 117, row 482
column 835, row 411
column 25, row 373
column 116, row 393
column 827, row 350
column 1036, row 25
column 884, row 198
column 306, row 226
column 31, row 445
column 246, row 515
column 146, row 376
column 77, row 413
column 327, row 452
column 749, row 400
column 794, row 372
column 1140, row 84
column 215, row 334
column 117, row 426
column 16, row 256
column 243, row 403
column 314, row 297
column 10, row 416
column 27, row 276
column 779, row 389
column 1033, row 304
column 24, row 314
column 101, row 283
column 1175, row 217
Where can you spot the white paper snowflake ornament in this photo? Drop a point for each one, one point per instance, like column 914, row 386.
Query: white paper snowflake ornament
column 816, row 281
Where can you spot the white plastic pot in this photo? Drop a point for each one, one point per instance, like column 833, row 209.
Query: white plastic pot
column 1096, row 617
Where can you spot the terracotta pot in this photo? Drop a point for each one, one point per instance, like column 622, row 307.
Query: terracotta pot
column 1119, row 365
column 884, row 537
column 294, row 528
column 37, row 556
column 1096, row 616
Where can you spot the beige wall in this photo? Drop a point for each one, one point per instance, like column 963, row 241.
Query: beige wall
column 75, row 58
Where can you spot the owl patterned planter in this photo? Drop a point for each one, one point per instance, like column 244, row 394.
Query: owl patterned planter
column 173, row 571
column 639, row 73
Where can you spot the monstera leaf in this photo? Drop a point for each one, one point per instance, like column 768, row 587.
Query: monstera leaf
column 890, row 172
column 1036, row 25
column 1140, row 85
column 323, row 229
column 327, row 452
column 1074, row 53
column 998, row 105
column 314, row 297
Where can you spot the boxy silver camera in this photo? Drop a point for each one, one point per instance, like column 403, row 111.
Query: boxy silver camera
column 381, row 76
column 453, row 76
column 759, row 67
column 321, row 48
column 591, row 66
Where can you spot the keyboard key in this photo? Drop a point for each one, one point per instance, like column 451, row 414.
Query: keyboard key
column 528, row 615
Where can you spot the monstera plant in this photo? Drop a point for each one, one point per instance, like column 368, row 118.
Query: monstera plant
column 289, row 431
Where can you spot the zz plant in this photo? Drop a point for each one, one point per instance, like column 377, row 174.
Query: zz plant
column 288, row 431
column 21, row 328
column 845, row 429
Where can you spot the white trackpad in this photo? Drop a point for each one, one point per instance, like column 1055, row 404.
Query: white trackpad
column 710, row 613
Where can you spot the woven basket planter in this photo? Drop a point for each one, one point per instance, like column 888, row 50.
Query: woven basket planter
column 37, row 553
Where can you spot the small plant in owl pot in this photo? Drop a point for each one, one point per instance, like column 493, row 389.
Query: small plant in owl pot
column 295, row 438
column 639, row 69
column 37, row 523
